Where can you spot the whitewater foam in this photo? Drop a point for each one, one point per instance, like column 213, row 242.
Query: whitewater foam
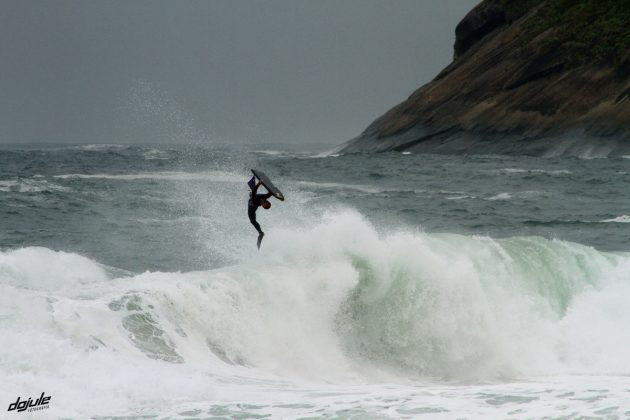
column 334, row 302
column 467, row 296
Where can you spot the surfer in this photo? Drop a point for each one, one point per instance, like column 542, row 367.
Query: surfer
column 255, row 201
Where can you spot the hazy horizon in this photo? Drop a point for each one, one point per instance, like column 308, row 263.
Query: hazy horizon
column 223, row 71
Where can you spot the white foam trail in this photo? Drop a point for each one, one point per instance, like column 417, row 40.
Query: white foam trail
column 518, row 194
column 533, row 171
column 501, row 196
column 619, row 219
column 217, row 176
column 30, row 185
column 334, row 152
column 155, row 154
column 460, row 197
column 100, row 147
column 340, row 186
column 272, row 152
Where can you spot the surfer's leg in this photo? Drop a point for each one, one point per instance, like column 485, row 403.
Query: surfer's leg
column 260, row 237
column 252, row 218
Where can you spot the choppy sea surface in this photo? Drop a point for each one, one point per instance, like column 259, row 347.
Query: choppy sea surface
column 387, row 286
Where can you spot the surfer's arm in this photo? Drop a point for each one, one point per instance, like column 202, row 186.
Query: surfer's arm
column 256, row 187
column 265, row 196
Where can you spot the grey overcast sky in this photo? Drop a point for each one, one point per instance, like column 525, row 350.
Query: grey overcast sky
column 141, row 71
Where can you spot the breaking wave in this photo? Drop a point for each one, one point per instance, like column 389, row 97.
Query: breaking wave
column 334, row 302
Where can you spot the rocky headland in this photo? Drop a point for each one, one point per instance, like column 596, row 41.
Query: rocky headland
column 532, row 77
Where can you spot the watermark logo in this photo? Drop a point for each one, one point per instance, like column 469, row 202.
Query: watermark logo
column 31, row 405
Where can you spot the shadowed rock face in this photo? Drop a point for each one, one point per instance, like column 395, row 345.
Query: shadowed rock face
column 520, row 83
column 478, row 23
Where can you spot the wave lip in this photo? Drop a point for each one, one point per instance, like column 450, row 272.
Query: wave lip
column 43, row 269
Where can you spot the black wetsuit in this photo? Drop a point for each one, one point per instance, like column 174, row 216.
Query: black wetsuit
column 255, row 201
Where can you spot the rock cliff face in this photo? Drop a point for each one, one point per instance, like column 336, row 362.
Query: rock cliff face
column 528, row 77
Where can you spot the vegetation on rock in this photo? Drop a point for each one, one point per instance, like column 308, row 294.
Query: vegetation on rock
column 586, row 31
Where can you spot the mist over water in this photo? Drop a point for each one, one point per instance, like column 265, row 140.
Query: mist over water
column 387, row 285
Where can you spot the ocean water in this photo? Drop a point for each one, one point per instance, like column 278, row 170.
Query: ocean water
column 387, row 286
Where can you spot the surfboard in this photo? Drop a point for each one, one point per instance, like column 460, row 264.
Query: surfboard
column 264, row 179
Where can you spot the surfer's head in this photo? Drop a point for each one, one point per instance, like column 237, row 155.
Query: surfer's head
column 266, row 204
